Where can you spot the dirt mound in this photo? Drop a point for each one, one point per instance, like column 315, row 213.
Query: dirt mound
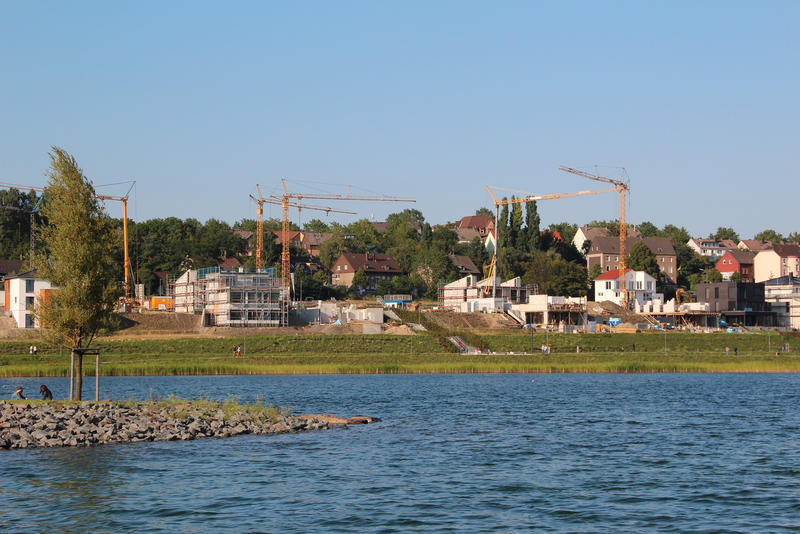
column 149, row 323
column 470, row 320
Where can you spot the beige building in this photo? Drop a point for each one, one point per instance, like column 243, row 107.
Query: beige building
column 375, row 266
column 780, row 260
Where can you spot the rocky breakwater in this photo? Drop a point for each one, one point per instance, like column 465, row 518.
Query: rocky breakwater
column 25, row 424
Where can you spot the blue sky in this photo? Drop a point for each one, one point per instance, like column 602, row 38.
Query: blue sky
column 199, row 101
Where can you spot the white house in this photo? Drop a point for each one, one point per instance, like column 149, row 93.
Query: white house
column 713, row 248
column 641, row 287
column 22, row 292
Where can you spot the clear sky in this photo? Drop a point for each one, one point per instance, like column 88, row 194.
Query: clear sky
column 200, row 101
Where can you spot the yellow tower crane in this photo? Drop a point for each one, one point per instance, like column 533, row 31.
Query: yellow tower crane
column 619, row 187
column 124, row 200
column 285, row 202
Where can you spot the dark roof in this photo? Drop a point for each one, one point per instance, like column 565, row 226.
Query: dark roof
column 370, row 262
column 467, row 234
column 380, row 227
column 610, row 245
column 476, row 221
column 315, row 238
column 294, row 236
column 755, row 244
column 463, row 263
column 10, row 266
column 787, row 250
column 742, row 256
column 32, row 274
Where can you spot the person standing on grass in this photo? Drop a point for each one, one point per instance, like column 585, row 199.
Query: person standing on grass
column 234, row 351
column 238, row 351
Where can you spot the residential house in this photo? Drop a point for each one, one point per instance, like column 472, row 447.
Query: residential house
column 713, row 248
column 640, row 285
column 783, row 294
column 247, row 236
column 754, row 245
column 22, row 292
column 464, row 264
column 311, row 241
column 473, row 294
column 736, row 261
column 294, row 238
column 590, row 233
column 605, row 253
column 375, row 266
column 738, row 303
column 780, row 260
column 466, row 235
column 229, row 264
column 482, row 223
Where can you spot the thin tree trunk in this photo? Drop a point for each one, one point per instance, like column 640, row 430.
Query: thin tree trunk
column 78, row 374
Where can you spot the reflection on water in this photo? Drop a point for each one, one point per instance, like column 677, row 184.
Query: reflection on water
column 453, row 452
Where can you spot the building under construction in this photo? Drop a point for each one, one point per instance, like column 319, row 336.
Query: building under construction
column 240, row 298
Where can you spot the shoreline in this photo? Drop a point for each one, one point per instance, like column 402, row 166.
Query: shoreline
column 39, row 424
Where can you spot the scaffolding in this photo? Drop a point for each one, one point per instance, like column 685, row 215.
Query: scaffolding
column 240, row 298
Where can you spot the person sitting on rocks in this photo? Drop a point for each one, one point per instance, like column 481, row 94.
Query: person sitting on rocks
column 46, row 393
column 19, row 394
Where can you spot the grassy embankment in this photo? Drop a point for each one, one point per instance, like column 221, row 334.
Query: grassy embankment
column 422, row 353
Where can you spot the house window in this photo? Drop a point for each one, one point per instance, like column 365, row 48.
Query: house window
column 608, row 258
column 29, row 286
column 670, row 270
column 616, row 258
column 638, row 284
column 608, row 285
column 608, row 267
column 28, row 302
column 649, row 286
column 345, row 267
column 338, row 267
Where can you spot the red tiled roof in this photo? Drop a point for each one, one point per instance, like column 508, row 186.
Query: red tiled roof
column 610, row 275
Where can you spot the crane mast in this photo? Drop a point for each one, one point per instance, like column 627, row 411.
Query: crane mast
column 288, row 200
column 621, row 188
column 123, row 199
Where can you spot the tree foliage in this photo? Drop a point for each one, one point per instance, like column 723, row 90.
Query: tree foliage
column 769, row 235
column 641, row 258
column 724, row 232
column 79, row 262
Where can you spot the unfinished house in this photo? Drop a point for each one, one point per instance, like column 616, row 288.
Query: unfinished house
column 239, row 298
column 470, row 294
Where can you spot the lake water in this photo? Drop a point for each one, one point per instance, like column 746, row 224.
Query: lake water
column 466, row 453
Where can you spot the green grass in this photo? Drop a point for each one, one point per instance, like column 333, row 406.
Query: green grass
column 353, row 354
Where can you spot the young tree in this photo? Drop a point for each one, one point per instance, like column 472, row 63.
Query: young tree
column 360, row 280
column 80, row 240
column 712, row 276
